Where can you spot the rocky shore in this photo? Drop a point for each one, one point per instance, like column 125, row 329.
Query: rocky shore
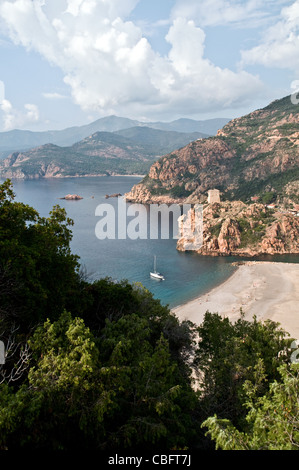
column 238, row 229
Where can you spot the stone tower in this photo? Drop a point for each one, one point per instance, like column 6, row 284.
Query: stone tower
column 213, row 196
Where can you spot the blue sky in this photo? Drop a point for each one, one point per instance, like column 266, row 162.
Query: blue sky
column 69, row 62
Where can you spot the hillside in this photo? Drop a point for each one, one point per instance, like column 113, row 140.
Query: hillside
column 251, row 156
column 132, row 151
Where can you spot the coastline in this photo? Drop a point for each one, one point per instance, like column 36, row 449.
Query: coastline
column 2, row 178
column 267, row 290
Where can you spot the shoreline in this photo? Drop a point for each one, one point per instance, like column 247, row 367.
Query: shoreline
column 267, row 290
column 67, row 176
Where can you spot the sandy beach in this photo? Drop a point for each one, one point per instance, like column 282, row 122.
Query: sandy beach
column 267, row 290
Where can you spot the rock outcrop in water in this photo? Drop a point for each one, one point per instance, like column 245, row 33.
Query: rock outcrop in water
column 72, row 197
column 112, row 195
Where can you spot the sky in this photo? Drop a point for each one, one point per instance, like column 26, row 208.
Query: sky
column 65, row 63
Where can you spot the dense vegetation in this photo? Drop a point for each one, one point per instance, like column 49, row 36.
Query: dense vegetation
column 105, row 366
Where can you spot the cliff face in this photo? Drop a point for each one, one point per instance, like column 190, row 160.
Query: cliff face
column 251, row 155
column 234, row 228
column 15, row 167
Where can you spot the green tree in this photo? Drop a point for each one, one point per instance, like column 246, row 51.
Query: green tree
column 106, row 299
column 38, row 272
column 113, row 392
column 155, row 402
column 226, row 357
column 273, row 422
column 269, row 197
column 62, row 404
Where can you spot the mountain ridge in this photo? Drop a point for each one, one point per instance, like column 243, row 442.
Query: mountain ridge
column 20, row 140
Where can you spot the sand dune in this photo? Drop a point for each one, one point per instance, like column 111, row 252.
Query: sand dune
column 265, row 289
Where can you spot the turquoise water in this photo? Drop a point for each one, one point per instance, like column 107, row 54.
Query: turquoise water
column 187, row 275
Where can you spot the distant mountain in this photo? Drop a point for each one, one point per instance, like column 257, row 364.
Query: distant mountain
column 157, row 141
column 255, row 155
column 130, row 151
column 19, row 140
column 22, row 140
column 210, row 126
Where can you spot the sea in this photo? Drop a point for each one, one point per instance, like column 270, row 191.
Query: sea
column 187, row 275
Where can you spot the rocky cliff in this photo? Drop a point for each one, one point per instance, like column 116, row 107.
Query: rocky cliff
column 250, row 156
column 238, row 229
column 23, row 166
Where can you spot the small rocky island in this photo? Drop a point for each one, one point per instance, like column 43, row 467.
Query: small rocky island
column 112, row 195
column 72, row 197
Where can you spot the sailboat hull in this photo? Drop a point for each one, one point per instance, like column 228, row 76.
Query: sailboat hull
column 157, row 276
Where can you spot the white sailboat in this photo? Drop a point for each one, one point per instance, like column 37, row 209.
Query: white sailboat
column 155, row 273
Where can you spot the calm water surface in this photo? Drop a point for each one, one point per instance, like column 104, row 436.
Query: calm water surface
column 187, row 274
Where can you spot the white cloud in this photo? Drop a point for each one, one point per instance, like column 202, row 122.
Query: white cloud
column 111, row 67
column 16, row 119
column 6, row 106
column 32, row 114
column 13, row 118
column 280, row 43
column 189, row 79
column 54, row 96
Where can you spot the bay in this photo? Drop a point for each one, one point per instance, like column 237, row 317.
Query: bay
column 187, row 275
